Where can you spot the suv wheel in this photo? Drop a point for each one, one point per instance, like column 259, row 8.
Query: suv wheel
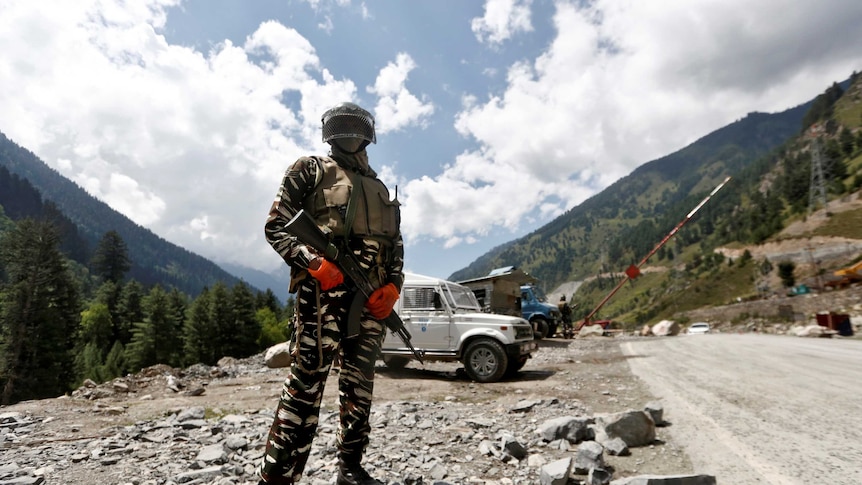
column 515, row 365
column 485, row 360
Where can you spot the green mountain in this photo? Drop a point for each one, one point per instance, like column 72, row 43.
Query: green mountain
column 29, row 188
column 768, row 157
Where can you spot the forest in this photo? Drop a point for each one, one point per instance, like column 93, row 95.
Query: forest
column 62, row 323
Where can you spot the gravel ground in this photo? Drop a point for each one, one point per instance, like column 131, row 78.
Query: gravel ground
column 430, row 422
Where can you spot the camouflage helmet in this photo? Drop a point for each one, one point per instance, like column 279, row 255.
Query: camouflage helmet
column 348, row 120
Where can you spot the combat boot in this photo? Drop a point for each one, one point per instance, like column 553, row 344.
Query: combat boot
column 352, row 473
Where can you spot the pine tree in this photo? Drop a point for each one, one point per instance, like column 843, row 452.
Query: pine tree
column 111, row 260
column 115, row 362
column 108, row 294
column 90, row 364
column 267, row 299
column 246, row 328
column 198, row 344
column 129, row 311
column 39, row 311
column 93, row 341
column 222, row 319
column 153, row 340
column 176, row 314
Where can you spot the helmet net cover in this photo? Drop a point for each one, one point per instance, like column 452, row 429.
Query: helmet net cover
column 348, row 120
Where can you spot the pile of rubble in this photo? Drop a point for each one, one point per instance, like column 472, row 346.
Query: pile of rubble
column 449, row 442
column 444, row 440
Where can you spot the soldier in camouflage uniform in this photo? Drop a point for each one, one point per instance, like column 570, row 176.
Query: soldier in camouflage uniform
column 343, row 194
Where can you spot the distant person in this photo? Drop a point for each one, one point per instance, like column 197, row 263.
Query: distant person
column 566, row 312
column 343, row 194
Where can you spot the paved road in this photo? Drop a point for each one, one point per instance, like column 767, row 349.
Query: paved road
column 760, row 409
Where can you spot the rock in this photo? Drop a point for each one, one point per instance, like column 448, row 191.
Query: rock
column 202, row 474
column 572, row 428
column 173, row 383
column 212, row 454
column 810, row 331
column 510, row 445
column 616, row 447
column 556, row 473
column 525, row 405
column 197, row 412
column 665, row 328
column 588, row 456
column 591, row 331
column 599, row 476
column 278, row 356
column 635, row 428
column 656, row 412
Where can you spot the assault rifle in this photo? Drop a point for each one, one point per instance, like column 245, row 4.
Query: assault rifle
column 303, row 227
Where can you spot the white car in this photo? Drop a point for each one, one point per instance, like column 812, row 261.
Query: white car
column 447, row 324
column 698, row 328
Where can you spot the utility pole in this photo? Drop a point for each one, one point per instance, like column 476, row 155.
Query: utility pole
column 817, row 189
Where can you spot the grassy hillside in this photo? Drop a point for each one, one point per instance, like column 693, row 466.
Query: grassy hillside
column 698, row 277
column 623, row 222
column 769, row 157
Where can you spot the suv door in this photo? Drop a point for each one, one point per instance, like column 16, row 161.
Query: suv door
column 427, row 317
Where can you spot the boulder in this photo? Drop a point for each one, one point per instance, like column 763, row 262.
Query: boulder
column 636, row 428
column 574, row 429
column 278, row 356
column 591, row 331
column 665, row 328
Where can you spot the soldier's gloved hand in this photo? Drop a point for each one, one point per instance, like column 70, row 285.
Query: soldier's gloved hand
column 382, row 300
column 326, row 273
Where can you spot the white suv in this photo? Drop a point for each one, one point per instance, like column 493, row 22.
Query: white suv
column 698, row 328
column 447, row 324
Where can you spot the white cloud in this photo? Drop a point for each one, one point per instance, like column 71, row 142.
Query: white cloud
column 397, row 107
column 502, row 20
column 622, row 84
column 165, row 134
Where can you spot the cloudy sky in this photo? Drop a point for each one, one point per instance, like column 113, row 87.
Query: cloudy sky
column 493, row 117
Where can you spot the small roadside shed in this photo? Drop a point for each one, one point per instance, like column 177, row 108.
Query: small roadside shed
column 500, row 291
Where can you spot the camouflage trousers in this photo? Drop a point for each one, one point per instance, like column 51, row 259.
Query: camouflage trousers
column 320, row 319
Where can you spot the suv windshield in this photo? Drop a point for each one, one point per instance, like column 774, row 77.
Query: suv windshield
column 461, row 297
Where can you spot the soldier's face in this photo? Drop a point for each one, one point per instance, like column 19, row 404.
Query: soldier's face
column 349, row 145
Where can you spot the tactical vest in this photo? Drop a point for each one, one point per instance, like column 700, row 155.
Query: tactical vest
column 375, row 216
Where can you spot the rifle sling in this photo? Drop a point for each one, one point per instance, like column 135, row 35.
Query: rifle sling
column 358, row 302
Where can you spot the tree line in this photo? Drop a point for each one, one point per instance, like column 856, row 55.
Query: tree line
column 62, row 323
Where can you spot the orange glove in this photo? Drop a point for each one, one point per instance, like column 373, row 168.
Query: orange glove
column 326, row 273
column 382, row 300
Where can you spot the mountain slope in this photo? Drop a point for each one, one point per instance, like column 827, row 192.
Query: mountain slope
column 644, row 202
column 154, row 260
column 770, row 158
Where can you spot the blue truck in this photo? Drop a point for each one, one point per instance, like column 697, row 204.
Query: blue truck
column 511, row 291
column 536, row 309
